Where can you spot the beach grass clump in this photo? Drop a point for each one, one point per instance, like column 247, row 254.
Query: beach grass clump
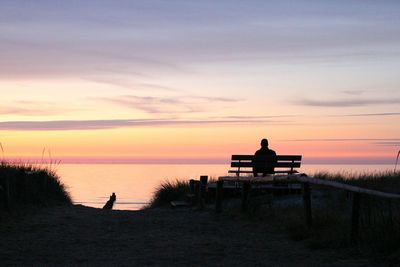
column 169, row 191
column 29, row 184
column 379, row 218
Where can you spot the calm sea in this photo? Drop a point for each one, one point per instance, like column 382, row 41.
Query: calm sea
column 92, row 184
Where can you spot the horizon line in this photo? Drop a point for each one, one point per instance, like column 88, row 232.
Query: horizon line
column 195, row 161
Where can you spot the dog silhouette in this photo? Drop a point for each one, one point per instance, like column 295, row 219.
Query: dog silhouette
column 110, row 203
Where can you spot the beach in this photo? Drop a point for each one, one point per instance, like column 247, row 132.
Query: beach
column 82, row 236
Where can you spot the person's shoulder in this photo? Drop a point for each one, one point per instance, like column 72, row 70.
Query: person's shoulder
column 272, row 151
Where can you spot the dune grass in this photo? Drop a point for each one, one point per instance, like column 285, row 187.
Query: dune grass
column 169, row 191
column 379, row 223
column 24, row 184
column 379, row 219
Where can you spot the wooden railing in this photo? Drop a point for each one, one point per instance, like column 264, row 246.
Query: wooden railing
column 305, row 181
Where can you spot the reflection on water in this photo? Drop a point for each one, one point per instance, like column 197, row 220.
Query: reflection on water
column 134, row 184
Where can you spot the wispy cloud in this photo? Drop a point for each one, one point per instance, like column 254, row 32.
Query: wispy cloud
column 157, row 87
column 353, row 92
column 29, row 108
column 129, row 81
column 170, row 104
column 396, row 144
column 341, row 139
column 255, row 117
column 369, row 114
column 112, row 124
column 214, row 99
column 151, row 104
column 348, row 102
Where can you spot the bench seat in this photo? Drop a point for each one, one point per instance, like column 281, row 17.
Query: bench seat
column 285, row 164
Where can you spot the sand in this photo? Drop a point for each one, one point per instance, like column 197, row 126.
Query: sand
column 78, row 235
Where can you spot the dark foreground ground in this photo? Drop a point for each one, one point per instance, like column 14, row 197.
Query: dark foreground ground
column 78, row 235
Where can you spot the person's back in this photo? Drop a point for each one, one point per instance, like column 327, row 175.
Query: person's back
column 264, row 160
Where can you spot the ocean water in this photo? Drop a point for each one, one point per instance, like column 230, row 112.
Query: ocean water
column 92, row 184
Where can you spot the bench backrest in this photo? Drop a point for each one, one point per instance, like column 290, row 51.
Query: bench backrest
column 284, row 164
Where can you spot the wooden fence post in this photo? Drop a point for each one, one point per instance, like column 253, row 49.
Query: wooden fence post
column 2, row 198
column 391, row 222
column 5, row 195
column 355, row 217
column 202, row 192
column 307, row 203
column 197, row 191
column 192, row 193
column 191, row 186
column 245, row 195
column 219, row 196
column 8, row 194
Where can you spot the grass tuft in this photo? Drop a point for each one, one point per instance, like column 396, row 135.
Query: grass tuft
column 379, row 225
column 169, row 191
column 24, row 184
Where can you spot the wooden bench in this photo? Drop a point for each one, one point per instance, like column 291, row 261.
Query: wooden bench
column 285, row 167
column 285, row 164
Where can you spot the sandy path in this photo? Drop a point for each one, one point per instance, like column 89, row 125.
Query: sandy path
column 161, row 237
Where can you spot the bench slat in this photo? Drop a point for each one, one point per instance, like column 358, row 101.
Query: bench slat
column 242, row 157
column 277, row 165
column 279, row 157
column 289, row 157
column 285, row 171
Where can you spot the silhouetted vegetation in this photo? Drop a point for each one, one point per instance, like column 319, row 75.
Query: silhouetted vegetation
column 169, row 191
column 379, row 228
column 27, row 184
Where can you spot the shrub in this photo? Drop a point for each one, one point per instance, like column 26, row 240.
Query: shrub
column 26, row 184
column 169, row 191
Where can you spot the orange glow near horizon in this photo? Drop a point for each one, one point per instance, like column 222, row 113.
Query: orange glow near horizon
column 181, row 143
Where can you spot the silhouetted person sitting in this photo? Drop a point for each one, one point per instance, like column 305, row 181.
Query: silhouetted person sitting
column 264, row 160
column 110, row 203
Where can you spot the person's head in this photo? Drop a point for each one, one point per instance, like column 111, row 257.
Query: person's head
column 264, row 143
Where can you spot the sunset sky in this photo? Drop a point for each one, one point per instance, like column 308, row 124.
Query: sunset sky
column 197, row 81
